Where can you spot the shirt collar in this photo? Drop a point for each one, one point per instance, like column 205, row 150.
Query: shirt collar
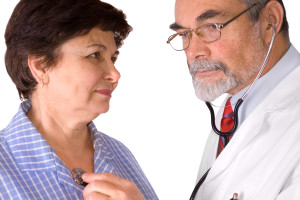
column 103, row 153
column 267, row 83
column 33, row 153
column 27, row 145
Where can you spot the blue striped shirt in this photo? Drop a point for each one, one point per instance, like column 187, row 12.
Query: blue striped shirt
column 30, row 168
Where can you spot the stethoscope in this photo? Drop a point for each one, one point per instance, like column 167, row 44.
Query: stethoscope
column 226, row 135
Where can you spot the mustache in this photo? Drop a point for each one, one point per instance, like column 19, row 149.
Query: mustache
column 207, row 65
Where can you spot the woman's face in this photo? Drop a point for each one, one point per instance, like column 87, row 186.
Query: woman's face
column 81, row 83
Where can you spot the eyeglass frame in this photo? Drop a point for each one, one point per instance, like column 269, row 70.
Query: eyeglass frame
column 218, row 27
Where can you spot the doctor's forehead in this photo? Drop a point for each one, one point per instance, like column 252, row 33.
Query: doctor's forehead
column 197, row 11
column 209, row 14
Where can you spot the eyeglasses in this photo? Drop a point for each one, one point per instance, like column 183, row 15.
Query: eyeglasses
column 207, row 33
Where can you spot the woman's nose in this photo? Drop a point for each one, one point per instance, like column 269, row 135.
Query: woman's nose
column 112, row 74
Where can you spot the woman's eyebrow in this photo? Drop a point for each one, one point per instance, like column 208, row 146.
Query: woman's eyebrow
column 116, row 53
column 100, row 46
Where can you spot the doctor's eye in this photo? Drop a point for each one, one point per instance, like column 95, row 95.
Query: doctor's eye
column 184, row 35
column 213, row 26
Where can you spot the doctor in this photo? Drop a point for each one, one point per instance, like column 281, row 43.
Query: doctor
column 226, row 44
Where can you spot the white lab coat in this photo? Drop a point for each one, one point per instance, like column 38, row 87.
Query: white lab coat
column 262, row 160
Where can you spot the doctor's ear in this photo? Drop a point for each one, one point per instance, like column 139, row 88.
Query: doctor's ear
column 38, row 70
column 273, row 13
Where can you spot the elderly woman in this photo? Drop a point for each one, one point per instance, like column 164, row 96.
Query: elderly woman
column 61, row 56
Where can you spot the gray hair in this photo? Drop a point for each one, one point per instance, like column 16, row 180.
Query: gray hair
column 255, row 12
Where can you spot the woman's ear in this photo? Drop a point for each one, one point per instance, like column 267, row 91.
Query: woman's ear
column 38, row 70
column 272, row 14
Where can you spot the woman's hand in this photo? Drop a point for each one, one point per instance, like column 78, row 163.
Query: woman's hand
column 105, row 186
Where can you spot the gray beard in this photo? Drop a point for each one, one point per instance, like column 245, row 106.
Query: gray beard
column 210, row 91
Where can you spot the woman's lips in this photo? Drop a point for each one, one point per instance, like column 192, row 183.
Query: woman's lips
column 105, row 92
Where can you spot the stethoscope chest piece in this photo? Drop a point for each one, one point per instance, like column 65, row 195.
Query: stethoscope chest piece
column 77, row 173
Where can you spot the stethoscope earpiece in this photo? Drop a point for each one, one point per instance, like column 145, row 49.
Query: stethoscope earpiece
column 272, row 25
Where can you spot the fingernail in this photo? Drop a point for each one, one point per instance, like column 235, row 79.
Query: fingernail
column 84, row 176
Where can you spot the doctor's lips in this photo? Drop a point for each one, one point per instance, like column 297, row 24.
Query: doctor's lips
column 106, row 92
column 201, row 73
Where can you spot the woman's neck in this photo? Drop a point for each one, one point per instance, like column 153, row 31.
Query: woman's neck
column 68, row 136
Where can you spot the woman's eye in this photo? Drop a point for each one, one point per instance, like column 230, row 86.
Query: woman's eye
column 113, row 59
column 95, row 55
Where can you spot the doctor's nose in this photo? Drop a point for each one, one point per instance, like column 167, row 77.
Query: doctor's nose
column 197, row 50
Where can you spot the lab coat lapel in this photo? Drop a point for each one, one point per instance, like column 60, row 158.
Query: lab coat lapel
column 253, row 125
column 209, row 155
column 243, row 136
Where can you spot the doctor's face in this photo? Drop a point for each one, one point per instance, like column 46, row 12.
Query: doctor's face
column 230, row 63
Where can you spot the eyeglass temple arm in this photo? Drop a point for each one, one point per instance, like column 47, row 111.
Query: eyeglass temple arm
column 223, row 25
column 171, row 38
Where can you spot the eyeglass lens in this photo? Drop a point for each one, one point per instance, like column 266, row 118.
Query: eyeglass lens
column 207, row 33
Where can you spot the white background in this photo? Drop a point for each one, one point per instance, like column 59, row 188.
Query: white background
column 154, row 111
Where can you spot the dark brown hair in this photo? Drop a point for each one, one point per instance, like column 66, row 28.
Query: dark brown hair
column 39, row 27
